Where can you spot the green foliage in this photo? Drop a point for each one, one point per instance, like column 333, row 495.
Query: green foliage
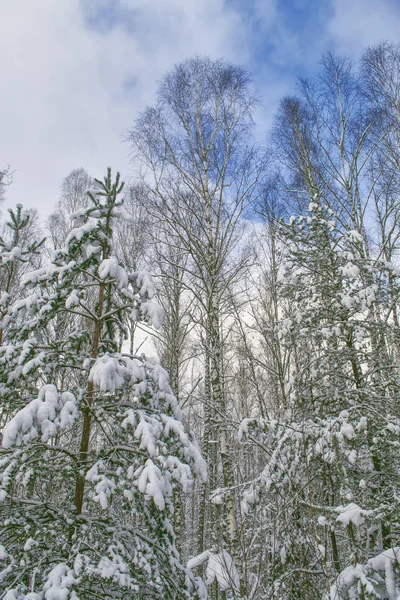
column 95, row 446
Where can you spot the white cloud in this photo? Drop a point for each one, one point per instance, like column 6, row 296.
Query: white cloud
column 75, row 73
column 356, row 24
column 70, row 92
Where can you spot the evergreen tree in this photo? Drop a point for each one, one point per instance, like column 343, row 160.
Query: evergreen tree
column 330, row 481
column 19, row 252
column 92, row 456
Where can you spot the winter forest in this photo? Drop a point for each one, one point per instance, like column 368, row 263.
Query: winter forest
column 200, row 368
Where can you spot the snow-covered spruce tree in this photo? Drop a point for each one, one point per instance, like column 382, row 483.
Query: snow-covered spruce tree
column 330, row 485
column 19, row 252
column 17, row 249
column 88, row 468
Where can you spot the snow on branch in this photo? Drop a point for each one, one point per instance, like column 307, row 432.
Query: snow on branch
column 220, row 567
column 44, row 416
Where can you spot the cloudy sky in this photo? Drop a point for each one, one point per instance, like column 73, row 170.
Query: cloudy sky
column 76, row 73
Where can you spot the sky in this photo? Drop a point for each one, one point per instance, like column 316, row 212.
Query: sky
column 75, row 74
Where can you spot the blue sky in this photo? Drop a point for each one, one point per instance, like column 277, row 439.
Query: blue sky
column 75, row 73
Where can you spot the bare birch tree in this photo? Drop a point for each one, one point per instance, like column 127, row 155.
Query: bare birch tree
column 203, row 170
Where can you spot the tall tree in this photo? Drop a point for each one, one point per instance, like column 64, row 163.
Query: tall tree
column 197, row 145
column 329, row 480
column 89, row 467
column 328, row 491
